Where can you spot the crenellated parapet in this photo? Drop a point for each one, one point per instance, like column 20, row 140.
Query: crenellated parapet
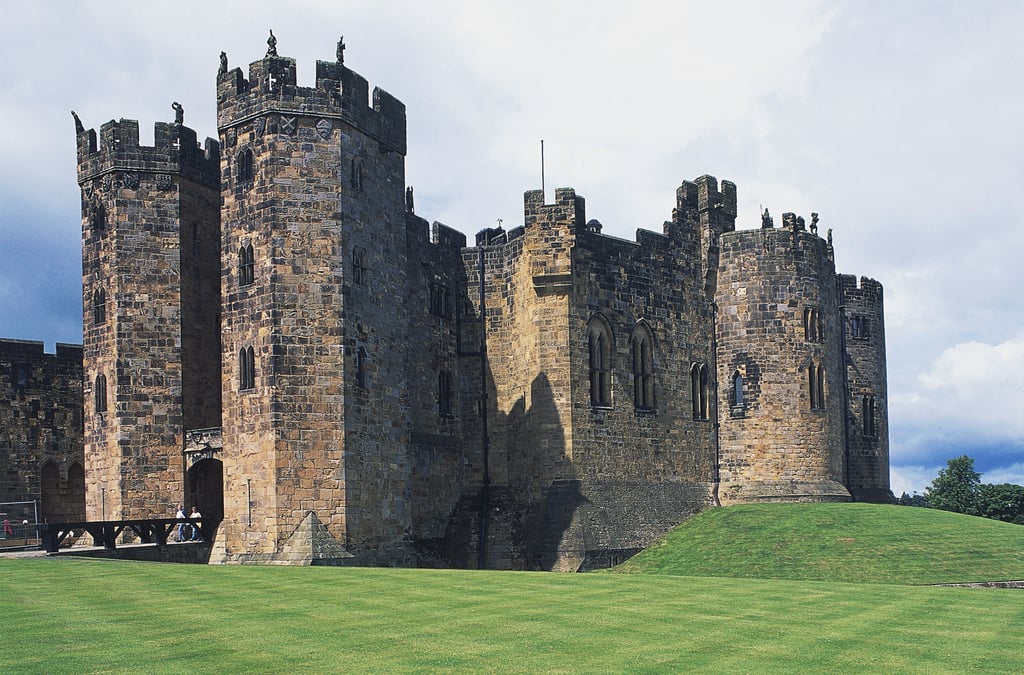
column 119, row 158
column 867, row 291
column 271, row 99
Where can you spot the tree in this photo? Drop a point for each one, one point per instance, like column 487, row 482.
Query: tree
column 1002, row 502
column 956, row 487
column 912, row 500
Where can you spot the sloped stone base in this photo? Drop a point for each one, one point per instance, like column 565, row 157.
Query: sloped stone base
column 782, row 491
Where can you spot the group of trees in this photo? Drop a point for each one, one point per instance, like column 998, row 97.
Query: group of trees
column 958, row 488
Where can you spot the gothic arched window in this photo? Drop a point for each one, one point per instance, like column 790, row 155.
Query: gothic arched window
column 737, row 388
column 642, row 347
column 444, row 393
column 99, row 306
column 816, row 386
column 868, row 412
column 360, row 273
column 700, row 391
column 246, row 265
column 246, row 369
column 245, row 168
column 599, row 340
column 99, row 393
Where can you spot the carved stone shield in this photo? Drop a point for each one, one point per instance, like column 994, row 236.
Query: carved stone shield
column 324, row 127
column 289, row 125
column 163, row 181
column 131, row 180
column 260, row 125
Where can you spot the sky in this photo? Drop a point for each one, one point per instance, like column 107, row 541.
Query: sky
column 900, row 122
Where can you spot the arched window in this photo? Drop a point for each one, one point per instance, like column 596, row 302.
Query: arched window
column 245, row 167
column 97, row 215
column 859, row 327
column 816, row 386
column 246, row 265
column 599, row 340
column 737, row 388
column 642, row 345
column 814, row 330
column 699, row 391
column 361, row 368
column 99, row 306
column 357, row 174
column 444, row 393
column 360, row 273
column 99, row 392
column 868, row 412
column 246, row 369
column 49, row 479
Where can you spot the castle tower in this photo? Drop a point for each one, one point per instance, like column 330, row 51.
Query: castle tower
column 315, row 337
column 868, row 410
column 150, row 266
column 781, row 388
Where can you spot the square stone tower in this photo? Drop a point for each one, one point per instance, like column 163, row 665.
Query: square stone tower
column 150, row 265
column 315, row 332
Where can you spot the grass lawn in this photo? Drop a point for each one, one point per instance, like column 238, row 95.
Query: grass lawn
column 869, row 543
column 76, row 616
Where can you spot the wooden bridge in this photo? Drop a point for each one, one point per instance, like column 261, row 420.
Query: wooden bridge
column 106, row 532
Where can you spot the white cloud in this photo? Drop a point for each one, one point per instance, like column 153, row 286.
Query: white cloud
column 911, row 479
column 1013, row 473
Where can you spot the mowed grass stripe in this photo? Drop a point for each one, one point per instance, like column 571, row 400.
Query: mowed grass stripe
column 66, row 615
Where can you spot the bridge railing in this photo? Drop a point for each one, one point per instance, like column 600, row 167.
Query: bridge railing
column 106, row 532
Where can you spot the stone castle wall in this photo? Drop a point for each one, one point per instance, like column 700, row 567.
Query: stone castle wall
column 383, row 394
column 41, row 428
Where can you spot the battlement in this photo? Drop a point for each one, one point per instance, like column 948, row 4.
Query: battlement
column 340, row 94
column 703, row 195
column 34, row 350
column 175, row 150
column 567, row 208
column 866, row 291
column 446, row 237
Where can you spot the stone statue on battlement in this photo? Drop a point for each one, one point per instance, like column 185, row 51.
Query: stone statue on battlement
column 223, row 63
column 271, row 45
column 179, row 113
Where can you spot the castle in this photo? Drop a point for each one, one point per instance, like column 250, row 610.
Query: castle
column 274, row 334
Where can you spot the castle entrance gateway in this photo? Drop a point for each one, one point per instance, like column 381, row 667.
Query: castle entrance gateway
column 205, row 473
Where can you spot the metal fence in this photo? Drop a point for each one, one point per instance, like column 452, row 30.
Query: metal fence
column 20, row 524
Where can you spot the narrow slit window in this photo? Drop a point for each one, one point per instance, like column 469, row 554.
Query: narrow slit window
column 99, row 306
column 100, row 393
column 246, row 369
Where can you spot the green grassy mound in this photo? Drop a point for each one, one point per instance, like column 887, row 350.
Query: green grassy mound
column 860, row 543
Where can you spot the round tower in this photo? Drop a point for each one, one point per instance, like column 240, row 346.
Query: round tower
column 781, row 392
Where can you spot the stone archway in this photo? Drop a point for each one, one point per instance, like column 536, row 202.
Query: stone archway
column 206, row 489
